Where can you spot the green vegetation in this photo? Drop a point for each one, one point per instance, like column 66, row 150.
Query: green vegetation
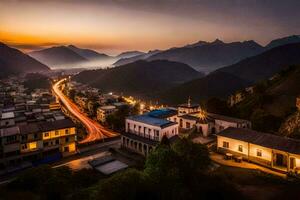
column 272, row 101
column 178, row 171
column 45, row 182
column 182, row 170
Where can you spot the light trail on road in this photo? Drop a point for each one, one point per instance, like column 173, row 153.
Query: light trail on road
column 94, row 129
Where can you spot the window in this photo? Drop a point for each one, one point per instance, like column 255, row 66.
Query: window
column 56, row 142
column 258, row 153
column 67, row 139
column 188, row 125
column 46, row 134
column 35, row 136
column 56, row 133
column 225, row 144
column 67, row 131
column 240, row 148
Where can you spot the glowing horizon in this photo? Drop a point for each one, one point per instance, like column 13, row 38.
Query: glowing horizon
column 120, row 25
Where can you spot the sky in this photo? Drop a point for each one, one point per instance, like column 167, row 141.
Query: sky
column 113, row 26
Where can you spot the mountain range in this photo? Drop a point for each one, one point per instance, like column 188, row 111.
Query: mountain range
column 203, row 56
column 227, row 80
column 13, row 61
column 264, row 65
column 72, row 56
column 88, row 53
column 167, row 80
column 142, row 56
column 57, row 56
column 140, row 78
column 209, row 56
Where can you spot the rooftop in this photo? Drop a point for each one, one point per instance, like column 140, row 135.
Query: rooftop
column 8, row 115
column 55, row 125
column 226, row 118
column 46, row 126
column 263, row 139
column 162, row 113
column 187, row 105
column 9, row 131
column 152, row 120
column 196, row 118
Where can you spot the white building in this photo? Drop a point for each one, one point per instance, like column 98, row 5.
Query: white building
column 7, row 119
column 144, row 132
column 187, row 108
column 104, row 111
column 269, row 150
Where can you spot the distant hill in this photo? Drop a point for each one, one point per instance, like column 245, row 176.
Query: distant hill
column 144, row 56
column 88, row 53
column 273, row 100
column 283, row 41
column 264, row 65
column 13, row 61
column 57, row 56
column 218, row 84
column 207, row 57
column 139, row 78
column 129, row 54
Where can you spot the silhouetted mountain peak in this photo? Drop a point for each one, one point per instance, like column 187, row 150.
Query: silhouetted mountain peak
column 199, row 43
column 13, row 61
column 283, row 41
column 128, row 54
column 217, row 41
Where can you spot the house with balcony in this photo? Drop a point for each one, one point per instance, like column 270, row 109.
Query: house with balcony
column 144, row 132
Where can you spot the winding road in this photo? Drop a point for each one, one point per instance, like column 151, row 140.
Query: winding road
column 94, row 129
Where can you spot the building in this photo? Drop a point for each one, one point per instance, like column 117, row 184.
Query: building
column 222, row 122
column 7, row 119
column 144, row 132
column 298, row 103
column 191, row 117
column 36, row 141
column 187, row 108
column 104, row 111
column 269, row 150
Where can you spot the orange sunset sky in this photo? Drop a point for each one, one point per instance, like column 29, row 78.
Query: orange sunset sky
column 118, row 25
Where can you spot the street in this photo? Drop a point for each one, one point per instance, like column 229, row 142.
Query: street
column 94, row 129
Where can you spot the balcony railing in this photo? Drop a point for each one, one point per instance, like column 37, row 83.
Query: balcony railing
column 144, row 135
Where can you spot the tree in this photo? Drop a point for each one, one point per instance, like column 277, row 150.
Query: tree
column 72, row 94
column 218, row 106
column 263, row 121
column 195, row 156
column 130, row 184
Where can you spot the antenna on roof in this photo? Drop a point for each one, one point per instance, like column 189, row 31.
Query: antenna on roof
column 189, row 101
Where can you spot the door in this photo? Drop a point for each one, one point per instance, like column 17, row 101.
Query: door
column 279, row 159
column 292, row 163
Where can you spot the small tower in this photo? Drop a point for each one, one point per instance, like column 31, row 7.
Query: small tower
column 189, row 102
